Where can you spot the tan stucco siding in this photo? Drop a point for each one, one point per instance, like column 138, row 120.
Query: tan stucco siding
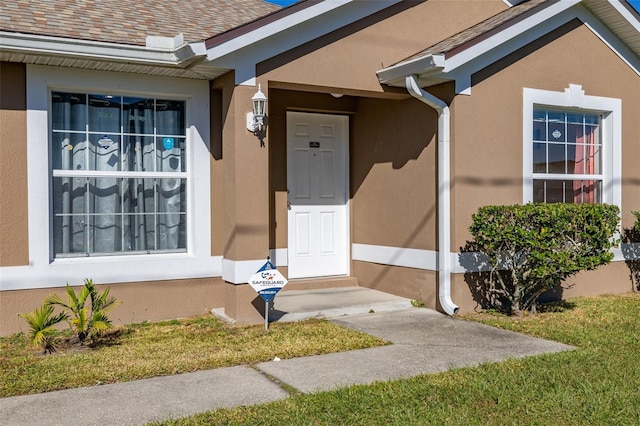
column 415, row 284
column 14, row 229
column 242, row 188
column 349, row 58
column 487, row 149
column 393, row 170
column 143, row 301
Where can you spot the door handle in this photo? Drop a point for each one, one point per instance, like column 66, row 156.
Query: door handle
column 288, row 205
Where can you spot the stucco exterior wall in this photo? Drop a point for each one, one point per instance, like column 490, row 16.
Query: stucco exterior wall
column 415, row 284
column 487, row 147
column 349, row 58
column 143, row 301
column 14, row 226
column 393, row 169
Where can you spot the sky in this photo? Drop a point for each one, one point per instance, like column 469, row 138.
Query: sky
column 634, row 3
column 288, row 2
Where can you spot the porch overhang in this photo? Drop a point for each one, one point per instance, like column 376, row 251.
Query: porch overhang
column 460, row 56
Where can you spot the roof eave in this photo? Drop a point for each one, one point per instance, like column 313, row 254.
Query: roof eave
column 41, row 49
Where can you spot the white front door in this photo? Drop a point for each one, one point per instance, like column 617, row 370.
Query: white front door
column 318, row 182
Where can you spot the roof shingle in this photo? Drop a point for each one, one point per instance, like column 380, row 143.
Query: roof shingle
column 470, row 34
column 129, row 22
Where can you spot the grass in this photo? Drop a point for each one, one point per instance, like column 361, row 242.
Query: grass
column 597, row 384
column 155, row 349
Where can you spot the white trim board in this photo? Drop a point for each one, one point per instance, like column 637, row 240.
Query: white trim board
column 466, row 262
column 43, row 271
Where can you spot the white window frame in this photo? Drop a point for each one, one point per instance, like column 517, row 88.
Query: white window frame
column 574, row 98
column 43, row 270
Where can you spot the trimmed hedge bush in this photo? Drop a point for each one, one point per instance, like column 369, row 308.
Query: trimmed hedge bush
column 532, row 248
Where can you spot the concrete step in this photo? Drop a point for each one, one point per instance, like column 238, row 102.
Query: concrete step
column 296, row 305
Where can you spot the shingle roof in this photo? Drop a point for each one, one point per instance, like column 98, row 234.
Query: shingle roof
column 488, row 26
column 129, row 22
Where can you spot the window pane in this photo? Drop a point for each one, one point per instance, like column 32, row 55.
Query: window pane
column 104, row 113
column 557, row 158
column 138, row 154
column 68, row 111
column 538, row 191
column 104, row 152
column 556, row 132
column 170, row 117
column 539, row 131
column 554, row 191
column 68, row 150
column 118, row 213
column 539, row 115
column 69, row 214
column 572, row 165
column 567, row 191
column 105, row 227
column 575, row 118
column 171, row 218
column 170, row 154
column 137, row 115
column 587, row 191
column 539, row 158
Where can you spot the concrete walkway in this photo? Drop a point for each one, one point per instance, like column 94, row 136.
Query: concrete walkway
column 424, row 342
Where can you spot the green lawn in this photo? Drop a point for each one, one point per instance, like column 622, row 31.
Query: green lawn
column 597, row 384
column 156, row 349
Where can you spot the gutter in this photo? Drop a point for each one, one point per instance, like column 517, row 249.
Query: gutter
column 444, row 192
column 164, row 53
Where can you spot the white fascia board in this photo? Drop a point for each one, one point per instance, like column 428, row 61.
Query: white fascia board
column 395, row 75
column 544, row 21
column 108, row 52
column 548, row 16
column 626, row 14
column 242, row 53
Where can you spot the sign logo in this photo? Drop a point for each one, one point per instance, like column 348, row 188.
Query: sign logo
column 267, row 282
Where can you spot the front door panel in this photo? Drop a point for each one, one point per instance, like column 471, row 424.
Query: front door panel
column 317, row 177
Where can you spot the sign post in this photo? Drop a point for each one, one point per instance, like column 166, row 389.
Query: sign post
column 267, row 282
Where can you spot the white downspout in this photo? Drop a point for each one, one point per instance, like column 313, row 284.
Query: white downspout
column 444, row 192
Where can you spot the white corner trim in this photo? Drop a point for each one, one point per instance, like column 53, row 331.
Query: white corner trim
column 626, row 252
column 240, row 271
column 108, row 270
column 395, row 256
column 461, row 263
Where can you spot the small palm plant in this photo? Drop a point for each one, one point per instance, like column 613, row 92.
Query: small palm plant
column 85, row 321
column 42, row 329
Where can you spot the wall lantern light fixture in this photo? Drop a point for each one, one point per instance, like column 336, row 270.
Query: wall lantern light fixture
column 255, row 119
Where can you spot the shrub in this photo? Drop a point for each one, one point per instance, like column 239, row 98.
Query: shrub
column 631, row 251
column 532, row 248
column 85, row 321
column 42, row 329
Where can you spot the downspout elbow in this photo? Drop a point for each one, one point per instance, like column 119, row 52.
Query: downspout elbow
column 444, row 192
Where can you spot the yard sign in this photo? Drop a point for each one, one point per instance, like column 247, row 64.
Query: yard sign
column 267, row 282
